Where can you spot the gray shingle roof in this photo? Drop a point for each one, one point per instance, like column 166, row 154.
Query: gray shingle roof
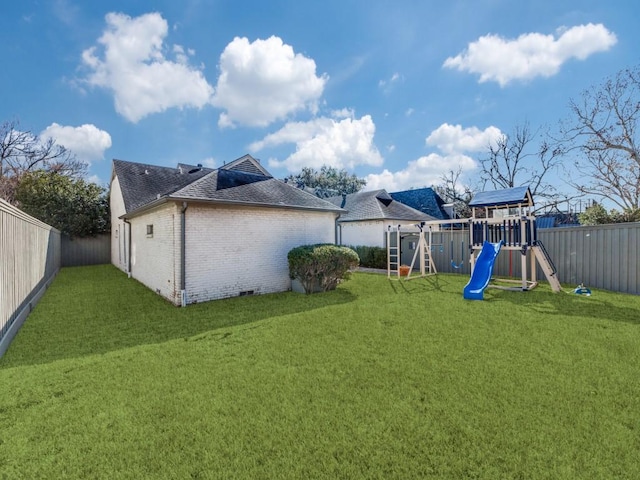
column 233, row 186
column 376, row 205
column 424, row 199
column 233, row 183
column 142, row 183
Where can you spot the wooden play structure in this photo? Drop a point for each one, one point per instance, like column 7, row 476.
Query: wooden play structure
column 501, row 220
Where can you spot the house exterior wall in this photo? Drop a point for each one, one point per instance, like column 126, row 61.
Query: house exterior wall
column 155, row 258
column 118, row 227
column 371, row 233
column 230, row 250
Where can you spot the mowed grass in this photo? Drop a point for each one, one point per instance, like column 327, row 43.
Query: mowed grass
column 378, row 379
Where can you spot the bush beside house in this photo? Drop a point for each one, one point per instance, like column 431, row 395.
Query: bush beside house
column 371, row 257
column 321, row 267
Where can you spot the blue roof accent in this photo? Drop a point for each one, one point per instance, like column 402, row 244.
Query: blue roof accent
column 559, row 219
column 424, row 199
column 546, row 222
column 508, row 196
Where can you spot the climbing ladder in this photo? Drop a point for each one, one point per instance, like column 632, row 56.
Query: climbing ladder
column 393, row 255
column 547, row 265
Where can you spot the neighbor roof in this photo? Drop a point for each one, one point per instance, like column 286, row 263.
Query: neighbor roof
column 243, row 181
column 510, row 196
column 375, row 205
column 424, row 199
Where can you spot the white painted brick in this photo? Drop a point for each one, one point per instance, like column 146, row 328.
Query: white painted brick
column 369, row 233
column 229, row 249
column 238, row 249
column 118, row 233
column 155, row 259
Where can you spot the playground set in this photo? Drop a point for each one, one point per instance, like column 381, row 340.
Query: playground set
column 501, row 220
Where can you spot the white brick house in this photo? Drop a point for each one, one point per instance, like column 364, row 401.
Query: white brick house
column 369, row 215
column 193, row 234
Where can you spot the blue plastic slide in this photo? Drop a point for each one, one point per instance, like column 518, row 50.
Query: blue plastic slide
column 474, row 290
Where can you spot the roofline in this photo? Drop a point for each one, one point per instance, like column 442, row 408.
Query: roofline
column 390, row 219
column 167, row 199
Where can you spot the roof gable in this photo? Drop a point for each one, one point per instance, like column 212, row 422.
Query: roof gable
column 246, row 164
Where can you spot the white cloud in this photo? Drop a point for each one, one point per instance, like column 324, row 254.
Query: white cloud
column 209, row 162
column 423, row 172
column 87, row 141
column 342, row 143
column 264, row 81
column 453, row 142
column 530, row 55
column 455, row 139
column 131, row 64
column 386, row 85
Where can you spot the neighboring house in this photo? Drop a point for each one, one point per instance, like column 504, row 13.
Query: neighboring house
column 426, row 200
column 194, row 234
column 369, row 215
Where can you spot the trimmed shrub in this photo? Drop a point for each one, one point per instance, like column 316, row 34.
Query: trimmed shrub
column 371, row 257
column 321, row 266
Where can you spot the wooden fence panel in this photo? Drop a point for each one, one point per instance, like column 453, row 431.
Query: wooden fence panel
column 86, row 251
column 29, row 259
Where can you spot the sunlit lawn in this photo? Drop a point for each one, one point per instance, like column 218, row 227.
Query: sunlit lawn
column 378, row 379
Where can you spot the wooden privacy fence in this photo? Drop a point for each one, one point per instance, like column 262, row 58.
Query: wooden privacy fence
column 29, row 260
column 78, row 252
column 600, row 256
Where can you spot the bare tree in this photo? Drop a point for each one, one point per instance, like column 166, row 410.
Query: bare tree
column 22, row 151
column 603, row 129
column 451, row 190
column 517, row 160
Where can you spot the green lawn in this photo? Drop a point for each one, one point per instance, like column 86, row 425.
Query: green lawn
column 378, row 379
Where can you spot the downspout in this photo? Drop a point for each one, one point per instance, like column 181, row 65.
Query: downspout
column 183, row 255
column 128, row 248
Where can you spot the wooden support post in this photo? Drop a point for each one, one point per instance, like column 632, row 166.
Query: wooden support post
column 523, row 263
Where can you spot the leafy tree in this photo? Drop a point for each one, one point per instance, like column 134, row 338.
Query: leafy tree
column 73, row 206
column 524, row 157
column 328, row 181
column 603, row 128
column 596, row 214
column 22, row 151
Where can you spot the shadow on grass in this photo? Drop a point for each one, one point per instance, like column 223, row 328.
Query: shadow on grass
column 601, row 305
column 95, row 310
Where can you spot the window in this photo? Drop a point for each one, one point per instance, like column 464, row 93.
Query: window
column 149, row 230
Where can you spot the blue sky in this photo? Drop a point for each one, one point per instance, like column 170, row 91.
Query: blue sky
column 398, row 92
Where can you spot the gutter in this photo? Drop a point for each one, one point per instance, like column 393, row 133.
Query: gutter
column 183, row 255
column 128, row 248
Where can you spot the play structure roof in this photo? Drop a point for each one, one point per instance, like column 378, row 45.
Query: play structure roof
column 507, row 197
